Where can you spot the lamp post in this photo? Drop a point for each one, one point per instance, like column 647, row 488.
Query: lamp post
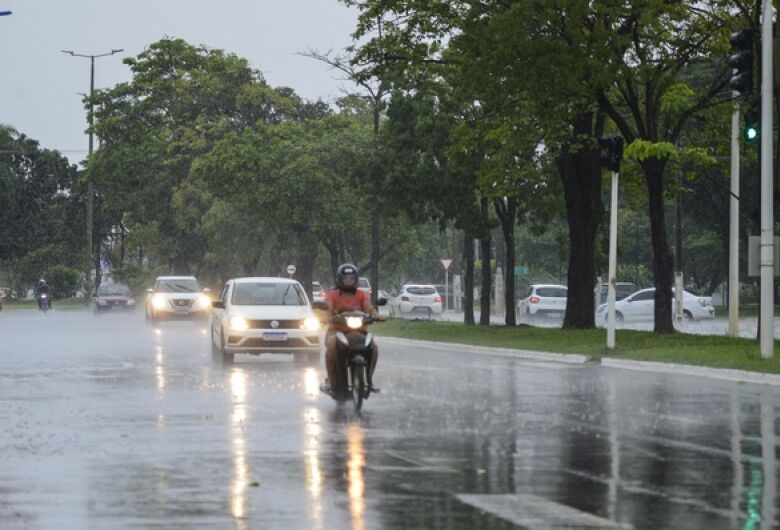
column 90, row 185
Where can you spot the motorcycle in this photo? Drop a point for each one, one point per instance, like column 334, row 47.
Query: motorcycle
column 354, row 349
column 43, row 303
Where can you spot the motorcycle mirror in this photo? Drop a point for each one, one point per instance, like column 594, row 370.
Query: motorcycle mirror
column 381, row 300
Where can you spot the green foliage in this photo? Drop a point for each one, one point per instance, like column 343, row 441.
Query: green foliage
column 63, row 281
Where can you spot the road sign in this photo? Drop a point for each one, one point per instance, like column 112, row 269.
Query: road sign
column 521, row 270
column 291, row 270
column 446, row 263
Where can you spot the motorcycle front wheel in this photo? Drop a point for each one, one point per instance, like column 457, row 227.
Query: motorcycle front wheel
column 358, row 386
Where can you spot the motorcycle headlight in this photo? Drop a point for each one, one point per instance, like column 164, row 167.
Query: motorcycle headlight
column 311, row 324
column 239, row 323
column 354, row 322
column 158, row 301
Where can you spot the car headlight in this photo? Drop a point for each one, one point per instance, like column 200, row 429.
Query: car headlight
column 239, row 323
column 158, row 301
column 203, row 302
column 354, row 322
column 102, row 302
column 131, row 302
column 311, row 324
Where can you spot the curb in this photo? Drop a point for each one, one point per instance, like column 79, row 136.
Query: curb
column 724, row 374
column 567, row 358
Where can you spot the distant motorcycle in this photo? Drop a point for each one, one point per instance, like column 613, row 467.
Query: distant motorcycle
column 43, row 303
column 354, row 348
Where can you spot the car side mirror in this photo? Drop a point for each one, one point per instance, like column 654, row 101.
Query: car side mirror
column 320, row 305
column 218, row 304
column 150, row 291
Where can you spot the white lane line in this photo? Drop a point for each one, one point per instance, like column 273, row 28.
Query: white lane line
column 537, row 513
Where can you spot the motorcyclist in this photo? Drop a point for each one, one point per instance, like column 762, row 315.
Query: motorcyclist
column 40, row 290
column 346, row 296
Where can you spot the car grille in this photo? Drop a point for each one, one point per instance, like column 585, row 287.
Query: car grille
column 181, row 303
column 283, row 324
column 289, row 343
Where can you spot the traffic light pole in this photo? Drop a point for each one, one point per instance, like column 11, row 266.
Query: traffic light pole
column 613, row 208
column 734, row 225
column 767, row 339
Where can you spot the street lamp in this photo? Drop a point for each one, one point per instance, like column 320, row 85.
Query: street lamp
column 90, row 185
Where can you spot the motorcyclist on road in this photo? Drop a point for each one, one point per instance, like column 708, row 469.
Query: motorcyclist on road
column 345, row 297
column 40, row 290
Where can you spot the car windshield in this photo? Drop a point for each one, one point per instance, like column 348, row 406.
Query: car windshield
column 257, row 293
column 114, row 290
column 551, row 292
column 420, row 290
column 180, row 285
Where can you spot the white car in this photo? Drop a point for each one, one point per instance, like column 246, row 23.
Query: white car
column 365, row 286
column 544, row 300
column 177, row 297
column 417, row 299
column 264, row 315
column 641, row 306
column 318, row 294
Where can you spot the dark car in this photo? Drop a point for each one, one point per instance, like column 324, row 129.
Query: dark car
column 113, row 297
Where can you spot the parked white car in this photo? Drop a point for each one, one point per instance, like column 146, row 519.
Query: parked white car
column 318, row 294
column 264, row 315
column 177, row 297
column 417, row 299
column 544, row 300
column 640, row 306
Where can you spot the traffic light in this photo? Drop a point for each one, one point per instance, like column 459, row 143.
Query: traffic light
column 752, row 130
column 611, row 152
column 742, row 61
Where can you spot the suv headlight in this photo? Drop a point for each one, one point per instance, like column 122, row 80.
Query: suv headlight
column 311, row 324
column 158, row 301
column 239, row 323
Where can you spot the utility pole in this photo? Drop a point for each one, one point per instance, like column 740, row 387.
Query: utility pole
column 90, row 185
column 678, row 254
column 734, row 225
column 609, row 158
column 767, row 332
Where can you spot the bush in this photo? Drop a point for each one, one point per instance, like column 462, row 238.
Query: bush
column 63, row 281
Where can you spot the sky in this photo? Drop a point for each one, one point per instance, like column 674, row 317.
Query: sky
column 39, row 85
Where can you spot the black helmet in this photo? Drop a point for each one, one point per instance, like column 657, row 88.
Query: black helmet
column 347, row 277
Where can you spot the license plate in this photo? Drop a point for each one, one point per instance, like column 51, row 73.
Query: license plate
column 182, row 311
column 553, row 315
column 275, row 337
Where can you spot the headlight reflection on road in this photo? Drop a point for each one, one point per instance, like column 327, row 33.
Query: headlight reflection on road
column 311, row 454
column 355, row 482
column 159, row 369
column 311, row 383
column 240, row 482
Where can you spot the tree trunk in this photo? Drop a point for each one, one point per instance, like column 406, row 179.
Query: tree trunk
column 507, row 214
column 663, row 262
column 484, row 254
column 468, row 280
column 580, row 173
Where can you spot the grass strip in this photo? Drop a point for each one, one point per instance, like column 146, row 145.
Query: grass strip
column 678, row 348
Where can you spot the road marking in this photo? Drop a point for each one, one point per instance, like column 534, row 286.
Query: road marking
column 420, row 463
column 536, row 513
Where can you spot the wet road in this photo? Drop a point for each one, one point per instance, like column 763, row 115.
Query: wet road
column 108, row 423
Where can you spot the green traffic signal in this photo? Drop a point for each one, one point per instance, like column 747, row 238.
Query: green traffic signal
column 751, row 132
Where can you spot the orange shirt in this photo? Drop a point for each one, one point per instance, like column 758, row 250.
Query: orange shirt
column 340, row 301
